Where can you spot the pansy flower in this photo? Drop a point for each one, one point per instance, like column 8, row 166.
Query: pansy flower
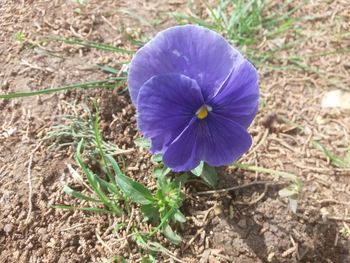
column 195, row 97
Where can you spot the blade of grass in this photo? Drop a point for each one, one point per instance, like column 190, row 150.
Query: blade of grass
column 90, row 44
column 95, row 185
column 78, row 195
column 135, row 191
column 107, row 83
column 84, row 208
column 259, row 169
column 99, row 144
column 333, row 158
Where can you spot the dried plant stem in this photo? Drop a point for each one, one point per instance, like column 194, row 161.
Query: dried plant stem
column 234, row 188
column 29, row 177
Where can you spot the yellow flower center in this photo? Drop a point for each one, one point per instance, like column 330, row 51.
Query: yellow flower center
column 202, row 113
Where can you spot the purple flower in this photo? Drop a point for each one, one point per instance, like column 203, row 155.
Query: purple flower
column 195, row 97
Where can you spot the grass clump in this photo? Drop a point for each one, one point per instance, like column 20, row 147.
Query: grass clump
column 244, row 23
column 77, row 126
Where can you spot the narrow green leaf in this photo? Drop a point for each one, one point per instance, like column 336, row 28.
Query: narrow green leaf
column 99, row 143
column 143, row 143
column 178, row 216
column 150, row 213
column 348, row 157
column 78, row 195
column 113, row 189
column 334, row 159
column 161, row 172
column 198, row 170
column 134, row 190
column 108, row 69
column 209, row 175
column 84, row 208
column 114, row 164
column 107, row 83
column 171, row 235
column 90, row 44
column 94, row 183
column 157, row 158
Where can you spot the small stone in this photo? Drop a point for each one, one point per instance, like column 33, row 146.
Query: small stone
column 8, row 228
column 62, row 259
column 5, row 85
column 242, row 223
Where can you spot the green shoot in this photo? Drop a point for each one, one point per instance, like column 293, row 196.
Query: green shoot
column 160, row 208
column 19, row 36
column 335, row 160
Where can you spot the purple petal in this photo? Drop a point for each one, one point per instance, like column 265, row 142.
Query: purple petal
column 166, row 105
column 222, row 141
column 216, row 140
column 194, row 51
column 238, row 97
column 181, row 155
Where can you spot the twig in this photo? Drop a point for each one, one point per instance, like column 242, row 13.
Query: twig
column 332, row 201
column 109, row 23
column 29, row 177
column 339, row 218
column 253, row 201
column 103, row 243
column 234, row 188
column 73, row 227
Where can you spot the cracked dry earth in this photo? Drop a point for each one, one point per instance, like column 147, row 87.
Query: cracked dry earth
column 251, row 224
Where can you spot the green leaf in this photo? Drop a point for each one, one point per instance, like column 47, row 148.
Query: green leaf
column 78, row 195
column 134, row 190
column 94, row 183
column 180, row 180
column 209, row 175
column 334, row 159
column 150, row 213
column 148, row 259
column 90, row 44
column 171, row 235
column 157, row 158
column 106, row 83
column 348, row 157
column 84, row 208
column 198, row 170
column 108, row 69
column 143, row 143
column 178, row 216
column 160, row 173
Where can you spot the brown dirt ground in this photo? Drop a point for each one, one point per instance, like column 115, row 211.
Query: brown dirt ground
column 220, row 228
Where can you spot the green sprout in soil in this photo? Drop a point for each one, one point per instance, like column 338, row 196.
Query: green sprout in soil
column 343, row 163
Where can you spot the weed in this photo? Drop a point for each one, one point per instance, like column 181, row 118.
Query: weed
column 343, row 163
column 80, row 125
column 19, row 36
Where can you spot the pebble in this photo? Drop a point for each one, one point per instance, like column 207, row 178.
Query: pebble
column 8, row 228
column 242, row 223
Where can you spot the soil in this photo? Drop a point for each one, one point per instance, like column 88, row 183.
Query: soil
column 252, row 224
